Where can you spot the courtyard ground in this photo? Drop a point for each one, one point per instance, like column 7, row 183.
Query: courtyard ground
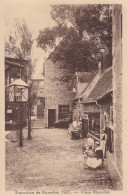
column 50, row 161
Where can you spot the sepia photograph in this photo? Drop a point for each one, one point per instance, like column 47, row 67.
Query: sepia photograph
column 63, row 97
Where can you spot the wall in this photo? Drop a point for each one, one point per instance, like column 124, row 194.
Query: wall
column 117, row 86
column 56, row 89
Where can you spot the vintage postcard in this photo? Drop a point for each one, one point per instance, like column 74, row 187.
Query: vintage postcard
column 63, row 97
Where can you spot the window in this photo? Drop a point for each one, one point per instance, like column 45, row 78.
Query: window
column 63, row 111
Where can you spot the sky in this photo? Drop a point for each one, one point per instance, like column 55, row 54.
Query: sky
column 37, row 16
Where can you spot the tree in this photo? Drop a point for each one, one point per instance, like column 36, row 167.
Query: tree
column 19, row 44
column 80, row 31
column 19, row 41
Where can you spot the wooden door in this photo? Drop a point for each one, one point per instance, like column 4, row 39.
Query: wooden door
column 51, row 117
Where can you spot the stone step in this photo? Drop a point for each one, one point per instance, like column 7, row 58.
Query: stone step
column 38, row 124
column 34, row 127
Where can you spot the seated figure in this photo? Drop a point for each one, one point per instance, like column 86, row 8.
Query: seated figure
column 87, row 146
column 95, row 159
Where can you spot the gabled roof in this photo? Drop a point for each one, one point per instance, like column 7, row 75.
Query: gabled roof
column 103, row 86
column 90, row 85
column 19, row 82
column 85, row 77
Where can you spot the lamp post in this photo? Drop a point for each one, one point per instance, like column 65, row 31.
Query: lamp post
column 18, row 93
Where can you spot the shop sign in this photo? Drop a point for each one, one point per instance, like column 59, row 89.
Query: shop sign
column 9, row 111
column 11, row 121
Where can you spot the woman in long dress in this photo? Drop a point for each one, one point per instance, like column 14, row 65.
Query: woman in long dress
column 95, row 159
column 87, row 146
column 103, row 142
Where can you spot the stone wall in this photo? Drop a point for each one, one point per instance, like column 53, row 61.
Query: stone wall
column 117, row 86
column 56, row 87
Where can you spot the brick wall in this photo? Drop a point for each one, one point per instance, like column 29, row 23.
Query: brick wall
column 56, row 89
column 117, row 87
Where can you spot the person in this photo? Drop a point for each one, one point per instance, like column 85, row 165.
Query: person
column 95, row 159
column 75, row 124
column 90, row 142
column 72, row 126
column 73, row 130
column 80, row 128
column 103, row 142
column 87, row 146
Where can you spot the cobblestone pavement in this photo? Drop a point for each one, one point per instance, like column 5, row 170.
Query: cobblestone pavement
column 50, row 161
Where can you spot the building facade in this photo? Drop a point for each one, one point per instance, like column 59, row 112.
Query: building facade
column 58, row 94
column 111, row 101
column 117, row 87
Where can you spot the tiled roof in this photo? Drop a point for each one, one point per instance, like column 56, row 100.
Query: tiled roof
column 103, row 86
column 92, row 82
column 8, row 63
column 14, row 62
column 85, row 77
column 19, row 82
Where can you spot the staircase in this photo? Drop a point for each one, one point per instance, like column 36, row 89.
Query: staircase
column 38, row 124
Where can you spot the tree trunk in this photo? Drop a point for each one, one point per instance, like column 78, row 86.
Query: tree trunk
column 29, row 122
column 20, row 137
column 29, row 114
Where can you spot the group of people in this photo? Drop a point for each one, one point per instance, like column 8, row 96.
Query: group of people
column 95, row 152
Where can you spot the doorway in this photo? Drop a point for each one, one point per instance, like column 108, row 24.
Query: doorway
column 51, row 117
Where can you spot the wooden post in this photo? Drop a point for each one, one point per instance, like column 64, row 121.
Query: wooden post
column 20, row 137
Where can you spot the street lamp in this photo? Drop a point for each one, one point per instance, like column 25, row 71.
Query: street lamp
column 18, row 93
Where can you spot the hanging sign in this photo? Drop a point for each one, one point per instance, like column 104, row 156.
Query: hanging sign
column 9, row 111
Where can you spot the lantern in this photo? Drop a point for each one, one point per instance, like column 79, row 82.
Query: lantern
column 18, row 91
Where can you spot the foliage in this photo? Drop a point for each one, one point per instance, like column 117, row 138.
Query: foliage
column 79, row 33
column 19, row 42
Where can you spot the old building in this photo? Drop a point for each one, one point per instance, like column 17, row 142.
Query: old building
column 58, row 94
column 111, row 100
column 91, row 109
